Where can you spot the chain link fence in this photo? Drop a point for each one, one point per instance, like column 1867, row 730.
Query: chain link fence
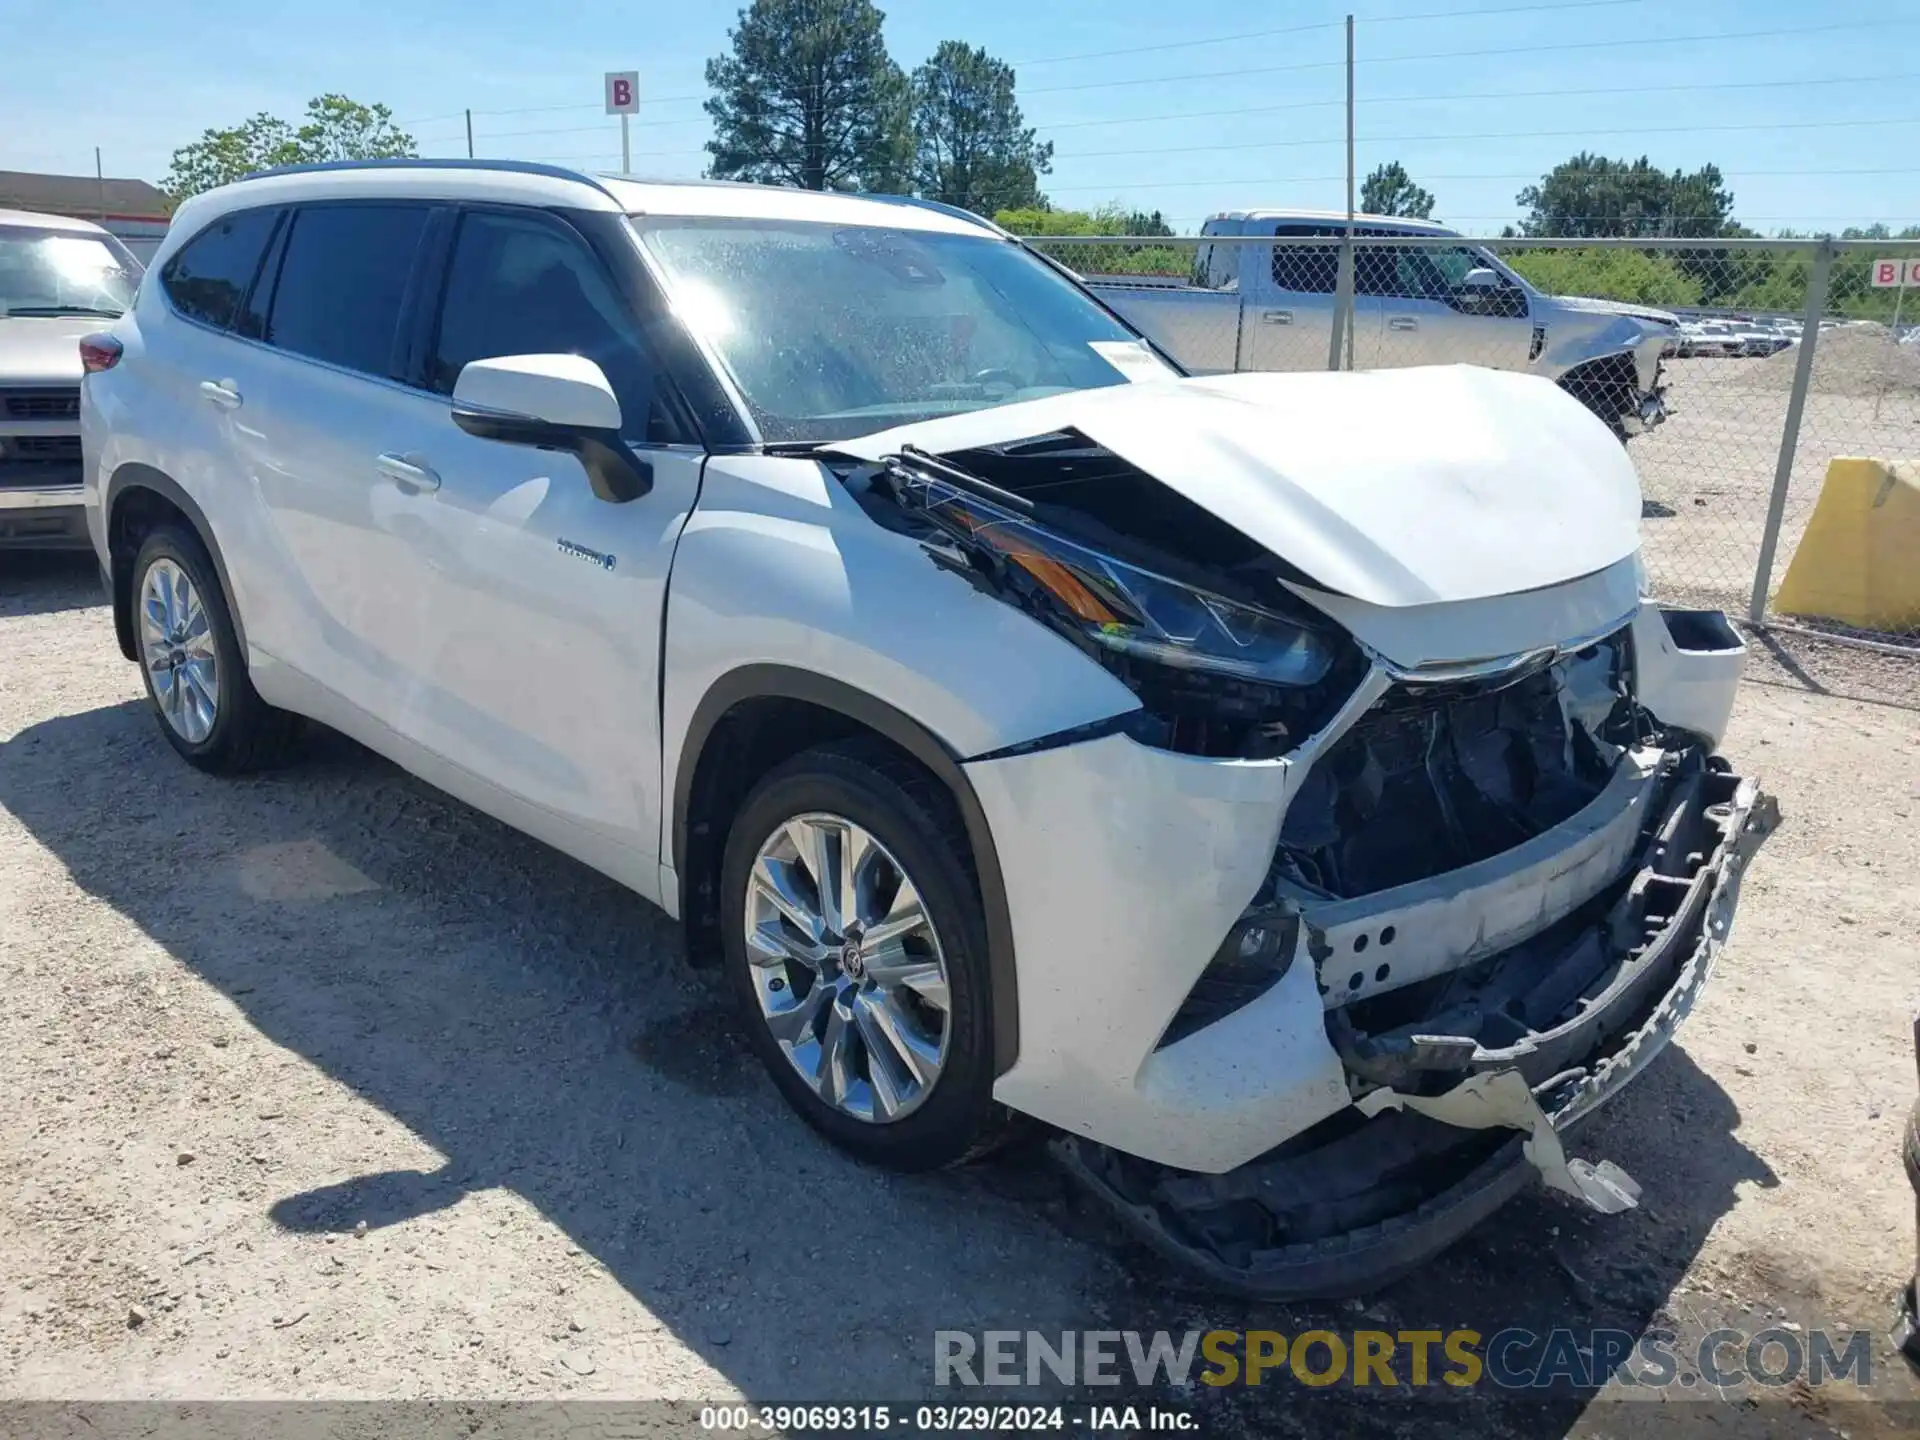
column 1786, row 357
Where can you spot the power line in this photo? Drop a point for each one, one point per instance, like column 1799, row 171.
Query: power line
column 1641, row 41
column 1322, row 179
column 1331, row 104
column 1473, row 95
column 1367, row 20
column 1428, row 137
column 1368, row 61
column 1490, row 135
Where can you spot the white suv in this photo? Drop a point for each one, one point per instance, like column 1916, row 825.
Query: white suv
column 1270, row 782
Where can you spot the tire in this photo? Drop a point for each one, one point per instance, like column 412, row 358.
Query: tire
column 245, row 732
column 919, row 833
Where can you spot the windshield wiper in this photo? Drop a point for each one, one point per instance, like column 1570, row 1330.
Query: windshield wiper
column 16, row 311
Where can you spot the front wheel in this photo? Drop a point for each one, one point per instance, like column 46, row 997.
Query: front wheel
column 856, row 947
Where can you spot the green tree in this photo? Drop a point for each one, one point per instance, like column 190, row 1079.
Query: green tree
column 1631, row 275
column 808, row 96
column 1389, row 190
column 1102, row 259
column 1592, row 196
column 335, row 128
column 220, row 157
column 972, row 148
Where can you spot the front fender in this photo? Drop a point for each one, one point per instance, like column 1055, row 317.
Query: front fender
column 778, row 566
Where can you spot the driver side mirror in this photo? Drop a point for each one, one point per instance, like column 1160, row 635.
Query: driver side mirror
column 552, row 402
column 1481, row 292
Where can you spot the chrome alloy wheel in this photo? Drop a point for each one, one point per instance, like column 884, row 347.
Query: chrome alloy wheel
column 847, row 967
column 176, row 646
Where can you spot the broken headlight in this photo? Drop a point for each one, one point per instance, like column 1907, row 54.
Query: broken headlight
column 1133, row 611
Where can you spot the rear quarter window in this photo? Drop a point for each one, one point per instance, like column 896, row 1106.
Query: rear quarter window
column 208, row 277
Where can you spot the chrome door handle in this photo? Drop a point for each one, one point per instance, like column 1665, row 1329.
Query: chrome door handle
column 1403, row 322
column 221, row 393
column 408, row 473
column 1277, row 317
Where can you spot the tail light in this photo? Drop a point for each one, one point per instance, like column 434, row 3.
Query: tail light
column 99, row 352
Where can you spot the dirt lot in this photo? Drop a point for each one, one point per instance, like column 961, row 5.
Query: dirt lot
column 320, row 1085
column 1709, row 470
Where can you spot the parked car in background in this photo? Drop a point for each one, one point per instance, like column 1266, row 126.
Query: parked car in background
column 1268, row 781
column 1255, row 306
column 59, row 279
column 1718, row 337
column 1760, row 338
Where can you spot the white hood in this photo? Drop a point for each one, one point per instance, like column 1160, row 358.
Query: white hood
column 1394, row 487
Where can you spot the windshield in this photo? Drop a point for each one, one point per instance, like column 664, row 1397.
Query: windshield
column 49, row 272
column 831, row 331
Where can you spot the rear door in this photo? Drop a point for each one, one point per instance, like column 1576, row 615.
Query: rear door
column 535, row 639
column 190, row 380
column 316, row 393
column 1428, row 316
column 1289, row 298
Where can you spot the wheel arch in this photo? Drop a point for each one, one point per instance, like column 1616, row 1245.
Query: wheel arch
column 1608, row 385
column 754, row 717
column 137, row 498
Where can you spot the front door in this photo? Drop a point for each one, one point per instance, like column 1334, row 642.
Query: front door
column 1429, row 316
column 535, row 650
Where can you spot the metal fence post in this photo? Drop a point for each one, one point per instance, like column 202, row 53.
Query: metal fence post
column 1790, row 432
column 1342, row 310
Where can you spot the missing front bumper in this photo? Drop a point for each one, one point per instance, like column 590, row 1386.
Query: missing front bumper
column 1364, row 1197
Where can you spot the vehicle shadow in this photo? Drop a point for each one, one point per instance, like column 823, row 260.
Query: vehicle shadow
column 1541, row 1265
column 535, row 1023
column 43, row 582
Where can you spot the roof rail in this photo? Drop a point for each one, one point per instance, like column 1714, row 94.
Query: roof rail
column 941, row 207
column 515, row 167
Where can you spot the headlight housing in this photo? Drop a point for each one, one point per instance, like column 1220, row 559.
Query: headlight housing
column 1128, row 610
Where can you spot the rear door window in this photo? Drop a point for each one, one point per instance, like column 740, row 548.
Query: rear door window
column 207, row 278
column 342, row 282
column 1301, row 268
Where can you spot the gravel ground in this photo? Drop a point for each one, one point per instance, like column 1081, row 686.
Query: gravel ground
column 322, row 1085
column 1708, row 472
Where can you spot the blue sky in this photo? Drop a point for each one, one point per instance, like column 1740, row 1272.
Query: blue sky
column 1474, row 104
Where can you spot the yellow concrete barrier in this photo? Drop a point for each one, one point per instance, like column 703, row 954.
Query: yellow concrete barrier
column 1859, row 561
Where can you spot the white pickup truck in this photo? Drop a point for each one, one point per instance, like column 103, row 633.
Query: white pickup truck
column 1253, row 306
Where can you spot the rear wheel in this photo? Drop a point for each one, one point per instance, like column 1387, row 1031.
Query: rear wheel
column 190, row 659
column 856, row 947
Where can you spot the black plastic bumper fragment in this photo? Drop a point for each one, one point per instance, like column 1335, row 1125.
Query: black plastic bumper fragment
column 1354, row 1203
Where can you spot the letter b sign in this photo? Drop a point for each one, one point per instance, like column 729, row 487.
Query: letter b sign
column 623, row 92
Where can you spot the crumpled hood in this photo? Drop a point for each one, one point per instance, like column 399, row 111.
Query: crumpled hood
column 1613, row 307
column 44, row 349
column 1394, row 487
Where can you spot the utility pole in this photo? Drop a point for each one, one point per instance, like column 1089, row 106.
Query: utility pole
column 100, row 179
column 469, row 134
column 1343, row 287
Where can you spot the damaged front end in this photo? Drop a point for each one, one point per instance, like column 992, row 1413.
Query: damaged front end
column 1512, row 889
column 1464, row 1082
column 1491, row 891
